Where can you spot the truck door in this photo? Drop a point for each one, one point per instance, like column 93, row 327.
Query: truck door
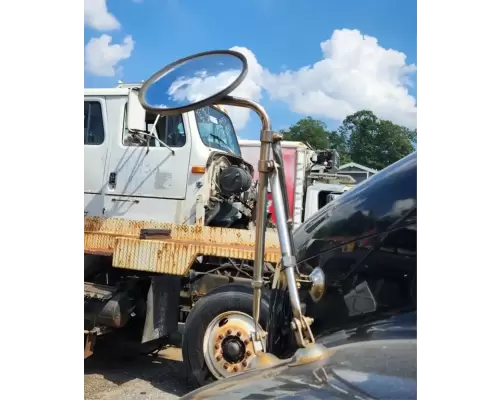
column 95, row 145
column 140, row 177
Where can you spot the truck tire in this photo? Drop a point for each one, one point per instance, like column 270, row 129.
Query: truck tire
column 216, row 342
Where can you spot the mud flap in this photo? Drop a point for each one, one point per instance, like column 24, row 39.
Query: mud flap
column 162, row 313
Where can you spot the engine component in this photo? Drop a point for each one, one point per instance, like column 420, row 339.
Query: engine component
column 226, row 214
column 234, row 180
column 212, row 212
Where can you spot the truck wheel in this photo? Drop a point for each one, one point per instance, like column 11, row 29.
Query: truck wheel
column 217, row 341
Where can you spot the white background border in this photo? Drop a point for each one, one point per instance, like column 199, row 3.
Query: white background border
column 41, row 179
column 458, row 266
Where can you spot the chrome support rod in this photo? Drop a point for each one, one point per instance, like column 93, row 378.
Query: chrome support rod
column 286, row 244
column 265, row 153
column 271, row 141
column 278, row 158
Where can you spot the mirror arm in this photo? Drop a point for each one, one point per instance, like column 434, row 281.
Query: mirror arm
column 252, row 105
column 269, row 168
column 265, row 152
column 153, row 135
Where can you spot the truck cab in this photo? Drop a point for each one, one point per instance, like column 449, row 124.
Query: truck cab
column 143, row 166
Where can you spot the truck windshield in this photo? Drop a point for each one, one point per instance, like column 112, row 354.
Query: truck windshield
column 216, row 130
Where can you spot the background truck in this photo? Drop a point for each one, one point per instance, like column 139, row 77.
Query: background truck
column 311, row 178
column 168, row 203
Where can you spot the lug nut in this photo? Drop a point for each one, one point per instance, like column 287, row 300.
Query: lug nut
column 229, row 331
column 248, row 353
column 235, row 369
column 221, row 337
column 246, row 341
column 238, row 333
column 226, row 365
column 219, row 357
column 244, row 363
column 217, row 346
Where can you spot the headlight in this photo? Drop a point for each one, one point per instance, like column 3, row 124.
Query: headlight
column 318, row 287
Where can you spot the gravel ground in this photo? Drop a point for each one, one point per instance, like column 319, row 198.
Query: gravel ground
column 108, row 377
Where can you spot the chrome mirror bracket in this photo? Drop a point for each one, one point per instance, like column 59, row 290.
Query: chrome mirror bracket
column 272, row 170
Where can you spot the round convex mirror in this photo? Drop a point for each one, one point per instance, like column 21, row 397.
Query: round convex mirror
column 193, row 82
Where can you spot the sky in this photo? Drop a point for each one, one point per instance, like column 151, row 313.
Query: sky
column 320, row 58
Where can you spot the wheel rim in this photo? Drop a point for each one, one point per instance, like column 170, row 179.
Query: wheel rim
column 227, row 344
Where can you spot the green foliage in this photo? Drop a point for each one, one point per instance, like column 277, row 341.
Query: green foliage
column 362, row 138
column 310, row 131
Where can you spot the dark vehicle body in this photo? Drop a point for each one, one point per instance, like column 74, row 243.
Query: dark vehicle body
column 378, row 362
column 365, row 243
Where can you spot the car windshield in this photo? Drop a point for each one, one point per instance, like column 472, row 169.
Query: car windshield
column 216, row 130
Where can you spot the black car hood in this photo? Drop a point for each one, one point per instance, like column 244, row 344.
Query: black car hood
column 374, row 369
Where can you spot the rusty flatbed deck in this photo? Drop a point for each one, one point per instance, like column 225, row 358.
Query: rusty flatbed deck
column 175, row 254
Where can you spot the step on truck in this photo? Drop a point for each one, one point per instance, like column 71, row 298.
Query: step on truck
column 169, row 238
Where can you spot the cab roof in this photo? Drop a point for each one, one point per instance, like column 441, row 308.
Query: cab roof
column 121, row 90
column 106, row 92
column 284, row 143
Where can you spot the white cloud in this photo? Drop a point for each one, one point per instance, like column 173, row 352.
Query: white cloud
column 250, row 88
column 98, row 17
column 201, row 85
column 355, row 73
column 102, row 57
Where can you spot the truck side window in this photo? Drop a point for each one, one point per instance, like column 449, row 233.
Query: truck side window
column 169, row 129
column 93, row 130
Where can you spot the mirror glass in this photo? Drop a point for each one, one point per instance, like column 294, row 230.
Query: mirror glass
column 193, row 82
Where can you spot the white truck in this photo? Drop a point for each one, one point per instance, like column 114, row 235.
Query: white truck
column 310, row 184
column 171, row 174
column 168, row 202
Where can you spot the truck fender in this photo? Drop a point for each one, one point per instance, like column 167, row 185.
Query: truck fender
column 162, row 307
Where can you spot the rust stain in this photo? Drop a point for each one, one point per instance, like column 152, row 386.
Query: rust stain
column 114, row 227
column 229, row 330
column 312, row 357
column 175, row 254
column 265, row 360
column 98, row 252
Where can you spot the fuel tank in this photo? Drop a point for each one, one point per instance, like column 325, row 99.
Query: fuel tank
column 363, row 248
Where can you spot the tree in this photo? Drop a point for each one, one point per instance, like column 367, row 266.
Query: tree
column 309, row 130
column 376, row 143
column 362, row 138
column 339, row 141
column 315, row 133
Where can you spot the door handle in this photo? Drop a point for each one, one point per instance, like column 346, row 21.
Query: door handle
column 125, row 201
column 112, row 180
